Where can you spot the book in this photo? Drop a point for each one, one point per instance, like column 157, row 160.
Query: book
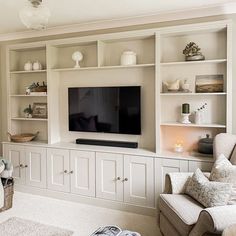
column 112, row 230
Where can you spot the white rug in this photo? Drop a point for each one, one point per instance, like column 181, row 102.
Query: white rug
column 16, row 226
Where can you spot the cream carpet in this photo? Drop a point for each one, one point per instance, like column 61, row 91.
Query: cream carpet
column 82, row 219
column 17, row 226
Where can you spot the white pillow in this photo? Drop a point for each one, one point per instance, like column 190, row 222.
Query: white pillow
column 223, row 171
column 206, row 192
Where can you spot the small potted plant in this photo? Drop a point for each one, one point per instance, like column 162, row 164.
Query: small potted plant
column 28, row 111
column 192, row 52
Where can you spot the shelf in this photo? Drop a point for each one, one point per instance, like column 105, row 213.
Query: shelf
column 28, row 119
column 24, row 95
column 193, row 125
column 193, row 62
column 103, row 67
column 28, row 72
column 193, row 94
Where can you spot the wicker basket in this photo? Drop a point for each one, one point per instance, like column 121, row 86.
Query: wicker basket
column 21, row 138
column 8, row 185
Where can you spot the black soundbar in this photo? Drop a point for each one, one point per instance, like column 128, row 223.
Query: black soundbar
column 107, row 143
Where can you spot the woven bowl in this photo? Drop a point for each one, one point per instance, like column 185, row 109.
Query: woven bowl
column 21, row 138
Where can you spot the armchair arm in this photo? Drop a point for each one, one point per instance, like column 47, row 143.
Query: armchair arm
column 175, row 182
column 214, row 220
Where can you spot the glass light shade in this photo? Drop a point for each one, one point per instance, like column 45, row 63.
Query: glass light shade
column 35, row 17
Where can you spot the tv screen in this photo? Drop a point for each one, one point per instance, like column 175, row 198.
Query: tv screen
column 105, row 109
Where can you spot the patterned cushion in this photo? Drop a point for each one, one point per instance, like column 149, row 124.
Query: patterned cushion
column 208, row 193
column 224, row 171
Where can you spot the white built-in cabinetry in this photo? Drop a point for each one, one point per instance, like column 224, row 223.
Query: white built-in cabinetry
column 131, row 177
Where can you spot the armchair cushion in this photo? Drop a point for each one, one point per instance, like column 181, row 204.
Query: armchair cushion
column 181, row 211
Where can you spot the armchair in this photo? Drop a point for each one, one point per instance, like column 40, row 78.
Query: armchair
column 180, row 215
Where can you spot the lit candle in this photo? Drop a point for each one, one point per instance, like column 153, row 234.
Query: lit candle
column 178, row 146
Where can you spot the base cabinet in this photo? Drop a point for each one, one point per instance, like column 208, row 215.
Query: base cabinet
column 58, row 168
column 125, row 178
column 109, row 176
column 29, row 164
column 131, row 179
column 82, row 166
column 139, row 180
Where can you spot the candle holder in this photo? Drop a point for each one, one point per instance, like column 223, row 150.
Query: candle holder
column 185, row 118
column 179, row 147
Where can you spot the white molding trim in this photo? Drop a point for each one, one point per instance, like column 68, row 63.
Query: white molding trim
column 223, row 9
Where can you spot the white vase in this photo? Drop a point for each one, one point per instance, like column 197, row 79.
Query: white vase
column 128, row 58
column 28, row 66
column 198, row 117
column 37, row 65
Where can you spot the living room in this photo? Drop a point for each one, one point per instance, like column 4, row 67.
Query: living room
column 118, row 118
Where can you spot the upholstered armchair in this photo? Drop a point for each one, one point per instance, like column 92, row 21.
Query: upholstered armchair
column 180, row 215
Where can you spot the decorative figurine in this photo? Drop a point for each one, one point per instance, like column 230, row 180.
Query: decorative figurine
column 185, row 114
column 192, row 52
column 77, row 57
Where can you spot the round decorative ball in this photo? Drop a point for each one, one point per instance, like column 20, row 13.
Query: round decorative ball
column 77, row 57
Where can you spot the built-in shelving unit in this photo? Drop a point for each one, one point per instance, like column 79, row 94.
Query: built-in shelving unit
column 159, row 59
column 214, row 41
column 18, row 80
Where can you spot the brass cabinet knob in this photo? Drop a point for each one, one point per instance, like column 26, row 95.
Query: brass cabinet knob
column 71, row 172
column 125, row 179
column 118, row 178
column 26, row 166
column 65, row 171
column 21, row 166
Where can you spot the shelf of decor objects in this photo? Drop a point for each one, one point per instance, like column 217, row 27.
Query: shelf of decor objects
column 28, row 119
column 28, row 72
column 104, row 67
column 176, row 63
column 193, row 125
column 193, row 94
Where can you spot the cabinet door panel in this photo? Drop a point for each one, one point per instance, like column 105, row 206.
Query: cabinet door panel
column 16, row 155
column 36, row 166
column 58, row 169
column 139, row 180
column 83, row 177
column 204, row 166
column 108, row 168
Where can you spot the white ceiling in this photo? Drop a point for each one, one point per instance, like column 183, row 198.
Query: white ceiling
column 67, row 12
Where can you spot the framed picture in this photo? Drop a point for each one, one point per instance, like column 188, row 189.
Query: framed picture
column 40, row 110
column 209, row 83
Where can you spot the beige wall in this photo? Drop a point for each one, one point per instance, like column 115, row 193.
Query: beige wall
column 3, row 97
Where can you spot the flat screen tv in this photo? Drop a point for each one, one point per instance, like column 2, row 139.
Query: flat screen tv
column 105, row 109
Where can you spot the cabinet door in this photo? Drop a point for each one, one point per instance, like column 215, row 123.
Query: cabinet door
column 165, row 166
column 139, row 180
column 58, row 169
column 204, row 166
column 16, row 154
column 82, row 172
column 109, row 175
column 35, row 168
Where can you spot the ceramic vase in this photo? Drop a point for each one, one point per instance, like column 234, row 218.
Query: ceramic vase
column 28, row 66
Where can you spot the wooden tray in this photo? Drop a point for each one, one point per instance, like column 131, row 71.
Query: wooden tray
column 21, row 138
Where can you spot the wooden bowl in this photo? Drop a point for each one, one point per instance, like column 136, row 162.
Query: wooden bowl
column 21, row 138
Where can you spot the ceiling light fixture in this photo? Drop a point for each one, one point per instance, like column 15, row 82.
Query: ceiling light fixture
column 35, row 15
